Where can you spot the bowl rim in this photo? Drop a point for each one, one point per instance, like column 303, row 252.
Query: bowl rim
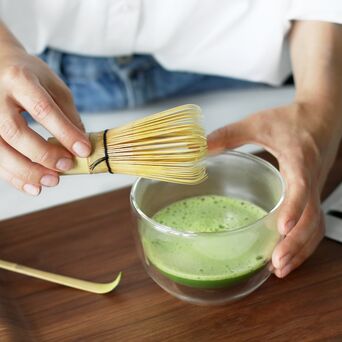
column 169, row 230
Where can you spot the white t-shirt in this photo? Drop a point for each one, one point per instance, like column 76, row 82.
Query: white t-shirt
column 243, row 39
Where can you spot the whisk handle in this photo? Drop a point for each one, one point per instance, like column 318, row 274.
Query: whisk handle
column 81, row 165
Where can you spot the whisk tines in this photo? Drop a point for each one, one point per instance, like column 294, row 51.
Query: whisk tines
column 166, row 146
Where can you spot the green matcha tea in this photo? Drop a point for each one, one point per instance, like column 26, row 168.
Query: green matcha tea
column 209, row 260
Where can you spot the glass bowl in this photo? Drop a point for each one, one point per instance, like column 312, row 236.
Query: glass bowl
column 211, row 267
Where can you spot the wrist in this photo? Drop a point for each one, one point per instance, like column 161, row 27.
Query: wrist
column 327, row 108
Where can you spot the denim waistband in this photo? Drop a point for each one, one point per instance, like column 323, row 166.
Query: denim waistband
column 109, row 83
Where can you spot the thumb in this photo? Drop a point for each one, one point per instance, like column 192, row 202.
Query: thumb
column 230, row 136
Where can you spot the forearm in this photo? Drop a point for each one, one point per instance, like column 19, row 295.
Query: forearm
column 316, row 53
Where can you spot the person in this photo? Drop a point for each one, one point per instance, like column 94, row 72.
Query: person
column 113, row 54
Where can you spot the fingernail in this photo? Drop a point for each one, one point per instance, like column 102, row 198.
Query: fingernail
column 81, row 149
column 271, row 267
column 288, row 226
column 31, row 189
column 284, row 261
column 64, row 164
column 49, row 180
column 285, row 271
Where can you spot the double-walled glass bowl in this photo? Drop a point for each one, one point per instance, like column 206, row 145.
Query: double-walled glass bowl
column 245, row 251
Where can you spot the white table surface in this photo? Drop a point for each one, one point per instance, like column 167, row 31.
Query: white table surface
column 219, row 108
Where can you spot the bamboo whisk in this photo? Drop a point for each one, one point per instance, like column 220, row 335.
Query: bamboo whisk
column 167, row 146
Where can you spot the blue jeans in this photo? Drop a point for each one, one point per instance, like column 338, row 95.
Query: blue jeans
column 104, row 84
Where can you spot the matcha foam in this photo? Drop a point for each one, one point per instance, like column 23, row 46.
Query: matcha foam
column 209, row 261
column 209, row 214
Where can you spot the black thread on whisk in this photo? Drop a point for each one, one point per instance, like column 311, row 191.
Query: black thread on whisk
column 106, row 150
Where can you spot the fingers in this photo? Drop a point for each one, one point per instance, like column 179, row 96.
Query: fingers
column 68, row 107
column 27, row 161
column 304, row 253
column 230, row 136
column 30, row 189
column 16, row 182
column 28, row 92
column 62, row 95
column 297, row 191
column 308, row 249
column 300, row 242
column 16, row 133
column 23, row 173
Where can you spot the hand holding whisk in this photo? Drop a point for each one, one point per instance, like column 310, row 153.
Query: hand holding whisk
column 167, row 146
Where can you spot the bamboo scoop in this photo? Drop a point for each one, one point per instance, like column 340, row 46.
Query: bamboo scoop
column 84, row 285
column 167, row 146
